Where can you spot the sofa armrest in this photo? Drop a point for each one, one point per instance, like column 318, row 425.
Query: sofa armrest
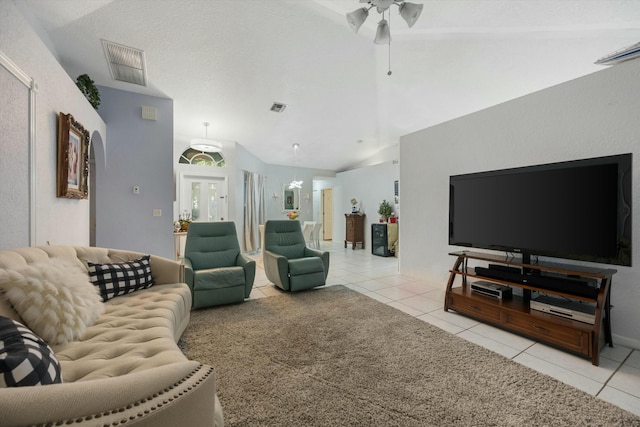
column 276, row 268
column 166, row 271
column 320, row 254
column 176, row 394
column 249, row 267
column 188, row 273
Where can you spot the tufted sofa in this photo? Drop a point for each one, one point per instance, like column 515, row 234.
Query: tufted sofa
column 125, row 368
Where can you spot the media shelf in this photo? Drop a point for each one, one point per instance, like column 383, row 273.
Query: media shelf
column 514, row 314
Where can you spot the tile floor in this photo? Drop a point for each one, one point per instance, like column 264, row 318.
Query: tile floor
column 616, row 380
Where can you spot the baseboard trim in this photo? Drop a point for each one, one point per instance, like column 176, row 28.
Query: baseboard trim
column 627, row 342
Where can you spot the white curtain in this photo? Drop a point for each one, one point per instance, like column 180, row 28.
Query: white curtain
column 254, row 209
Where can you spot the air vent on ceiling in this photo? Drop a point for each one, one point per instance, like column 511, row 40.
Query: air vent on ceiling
column 625, row 54
column 125, row 63
column 278, row 107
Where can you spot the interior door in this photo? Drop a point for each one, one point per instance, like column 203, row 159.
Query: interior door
column 327, row 213
column 205, row 198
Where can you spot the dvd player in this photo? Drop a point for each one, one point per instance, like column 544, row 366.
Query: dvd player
column 569, row 309
column 491, row 289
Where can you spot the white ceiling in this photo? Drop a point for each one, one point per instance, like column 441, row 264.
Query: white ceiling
column 226, row 61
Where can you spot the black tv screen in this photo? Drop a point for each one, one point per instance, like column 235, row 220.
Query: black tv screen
column 577, row 210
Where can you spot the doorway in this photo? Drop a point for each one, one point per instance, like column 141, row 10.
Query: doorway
column 203, row 198
column 327, row 213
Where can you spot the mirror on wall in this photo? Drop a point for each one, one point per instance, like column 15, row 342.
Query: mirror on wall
column 290, row 198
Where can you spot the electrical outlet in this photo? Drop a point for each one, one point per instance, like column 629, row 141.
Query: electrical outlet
column 157, row 212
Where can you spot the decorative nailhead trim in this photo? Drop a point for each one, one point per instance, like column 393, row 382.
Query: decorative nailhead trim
column 205, row 373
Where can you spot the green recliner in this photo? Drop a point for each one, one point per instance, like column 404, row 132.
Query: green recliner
column 288, row 262
column 215, row 270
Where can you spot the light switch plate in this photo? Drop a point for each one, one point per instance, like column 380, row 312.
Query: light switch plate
column 157, row 212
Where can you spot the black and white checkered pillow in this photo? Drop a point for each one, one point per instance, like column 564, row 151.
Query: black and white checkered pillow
column 121, row 278
column 25, row 359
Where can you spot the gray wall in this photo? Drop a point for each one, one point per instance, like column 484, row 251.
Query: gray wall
column 596, row 115
column 139, row 153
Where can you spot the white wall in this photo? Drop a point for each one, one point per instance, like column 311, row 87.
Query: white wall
column 278, row 176
column 596, row 115
column 59, row 221
column 369, row 185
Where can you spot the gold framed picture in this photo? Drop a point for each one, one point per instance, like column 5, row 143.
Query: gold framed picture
column 73, row 158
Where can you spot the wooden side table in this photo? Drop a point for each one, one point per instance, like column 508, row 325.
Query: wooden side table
column 354, row 229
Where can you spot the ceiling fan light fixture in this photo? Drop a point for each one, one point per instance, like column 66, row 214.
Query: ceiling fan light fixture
column 383, row 34
column 205, row 144
column 410, row 12
column 356, row 18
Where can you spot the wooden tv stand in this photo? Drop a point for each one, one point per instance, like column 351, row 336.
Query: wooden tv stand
column 514, row 314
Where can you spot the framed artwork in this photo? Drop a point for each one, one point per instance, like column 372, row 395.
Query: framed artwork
column 73, row 158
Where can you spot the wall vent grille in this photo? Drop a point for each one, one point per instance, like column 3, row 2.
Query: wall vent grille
column 125, row 63
column 149, row 113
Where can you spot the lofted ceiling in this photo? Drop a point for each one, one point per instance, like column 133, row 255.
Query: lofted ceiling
column 226, row 61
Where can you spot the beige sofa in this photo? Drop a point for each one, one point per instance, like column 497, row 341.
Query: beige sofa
column 126, row 368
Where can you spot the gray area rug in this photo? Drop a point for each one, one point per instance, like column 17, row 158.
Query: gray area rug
column 334, row 357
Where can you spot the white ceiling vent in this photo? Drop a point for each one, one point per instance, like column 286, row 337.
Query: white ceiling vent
column 125, row 63
column 625, row 54
column 278, row 107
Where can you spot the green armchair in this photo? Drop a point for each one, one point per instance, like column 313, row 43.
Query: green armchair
column 215, row 270
column 288, row 262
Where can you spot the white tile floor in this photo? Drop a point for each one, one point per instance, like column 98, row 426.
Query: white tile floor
column 616, row 380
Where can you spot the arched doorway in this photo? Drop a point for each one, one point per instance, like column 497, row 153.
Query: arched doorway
column 96, row 168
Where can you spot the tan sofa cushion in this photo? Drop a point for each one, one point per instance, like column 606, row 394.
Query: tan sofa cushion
column 137, row 331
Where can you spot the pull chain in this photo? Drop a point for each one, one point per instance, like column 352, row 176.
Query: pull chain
column 389, row 72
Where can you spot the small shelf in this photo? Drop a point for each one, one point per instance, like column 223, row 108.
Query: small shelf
column 523, row 286
column 567, row 269
column 514, row 314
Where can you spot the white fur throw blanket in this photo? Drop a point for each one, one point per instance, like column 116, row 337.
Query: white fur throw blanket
column 56, row 301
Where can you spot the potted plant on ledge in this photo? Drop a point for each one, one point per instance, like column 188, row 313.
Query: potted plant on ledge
column 185, row 220
column 385, row 210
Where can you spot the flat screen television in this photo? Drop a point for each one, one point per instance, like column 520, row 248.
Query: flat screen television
column 579, row 210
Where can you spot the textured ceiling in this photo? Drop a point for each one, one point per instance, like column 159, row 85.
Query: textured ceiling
column 226, row 61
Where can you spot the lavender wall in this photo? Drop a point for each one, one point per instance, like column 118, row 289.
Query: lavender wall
column 139, row 153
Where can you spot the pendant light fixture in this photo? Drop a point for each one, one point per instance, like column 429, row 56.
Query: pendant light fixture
column 295, row 183
column 410, row 12
column 206, row 144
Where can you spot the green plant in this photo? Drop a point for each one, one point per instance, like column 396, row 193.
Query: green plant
column 89, row 90
column 385, row 209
